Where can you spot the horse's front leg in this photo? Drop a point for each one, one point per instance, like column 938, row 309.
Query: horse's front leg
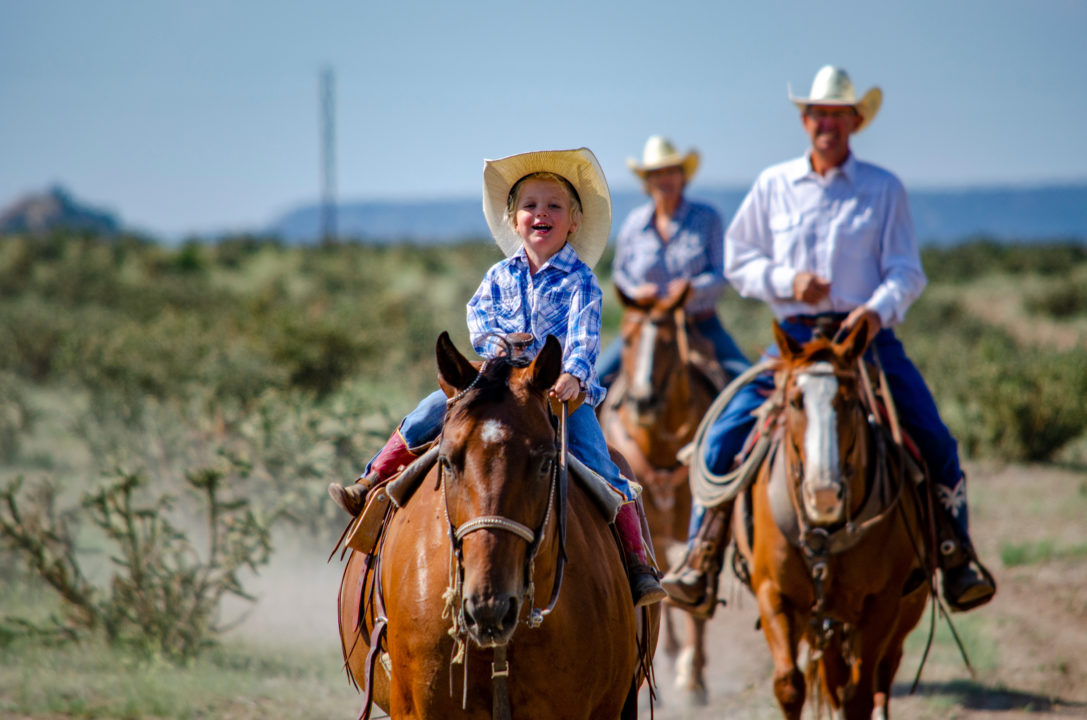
column 691, row 663
column 781, row 627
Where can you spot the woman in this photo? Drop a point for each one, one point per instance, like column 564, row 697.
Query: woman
column 666, row 242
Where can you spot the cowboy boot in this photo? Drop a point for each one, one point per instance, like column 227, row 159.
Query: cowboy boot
column 692, row 583
column 644, row 587
column 392, row 458
column 966, row 582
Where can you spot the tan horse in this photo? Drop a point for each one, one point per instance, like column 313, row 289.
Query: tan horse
column 838, row 557
column 653, row 410
column 476, row 553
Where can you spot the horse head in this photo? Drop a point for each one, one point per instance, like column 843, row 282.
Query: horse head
column 825, row 421
column 654, row 351
column 498, row 465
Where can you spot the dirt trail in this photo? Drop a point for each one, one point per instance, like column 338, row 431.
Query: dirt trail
column 1029, row 645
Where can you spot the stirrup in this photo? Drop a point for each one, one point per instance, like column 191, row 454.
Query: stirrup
column 965, row 588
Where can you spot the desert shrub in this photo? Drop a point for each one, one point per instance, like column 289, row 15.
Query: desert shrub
column 982, row 256
column 15, row 417
column 1060, row 298
column 164, row 595
column 1021, row 403
column 34, row 337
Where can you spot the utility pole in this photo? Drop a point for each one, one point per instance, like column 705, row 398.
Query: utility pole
column 328, row 157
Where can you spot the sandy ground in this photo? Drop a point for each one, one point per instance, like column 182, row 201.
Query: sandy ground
column 1029, row 646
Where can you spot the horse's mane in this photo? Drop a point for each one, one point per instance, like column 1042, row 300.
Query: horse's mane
column 818, row 349
column 490, row 387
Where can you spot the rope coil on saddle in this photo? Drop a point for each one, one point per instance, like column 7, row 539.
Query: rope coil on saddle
column 709, row 488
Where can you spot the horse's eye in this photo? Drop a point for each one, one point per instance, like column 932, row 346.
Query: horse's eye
column 545, row 466
column 447, row 465
column 797, row 402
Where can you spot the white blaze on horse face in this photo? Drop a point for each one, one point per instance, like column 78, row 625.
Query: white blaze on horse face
column 822, row 488
column 494, row 432
column 641, row 382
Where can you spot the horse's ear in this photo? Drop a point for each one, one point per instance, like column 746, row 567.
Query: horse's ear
column 856, row 342
column 454, row 371
column 678, row 297
column 547, row 366
column 624, row 299
column 786, row 343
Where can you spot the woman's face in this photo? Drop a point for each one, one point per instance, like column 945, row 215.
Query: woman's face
column 666, row 184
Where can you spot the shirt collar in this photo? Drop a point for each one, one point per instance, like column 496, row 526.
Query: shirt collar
column 565, row 259
column 801, row 169
column 680, row 215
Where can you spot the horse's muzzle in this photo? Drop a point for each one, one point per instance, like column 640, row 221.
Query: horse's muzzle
column 491, row 619
column 823, row 502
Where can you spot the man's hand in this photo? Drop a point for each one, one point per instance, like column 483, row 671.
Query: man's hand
column 565, row 388
column 810, row 288
column 854, row 317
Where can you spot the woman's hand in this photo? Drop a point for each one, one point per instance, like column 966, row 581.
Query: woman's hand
column 565, row 388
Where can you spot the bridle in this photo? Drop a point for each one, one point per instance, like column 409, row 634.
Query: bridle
column 454, row 597
column 646, row 352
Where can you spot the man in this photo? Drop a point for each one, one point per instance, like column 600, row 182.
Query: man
column 829, row 237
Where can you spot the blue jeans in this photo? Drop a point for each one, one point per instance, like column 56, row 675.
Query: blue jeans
column 724, row 349
column 584, row 436
column 916, row 410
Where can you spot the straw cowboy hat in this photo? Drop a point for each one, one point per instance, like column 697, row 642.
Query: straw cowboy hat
column 660, row 153
column 832, row 86
column 580, row 168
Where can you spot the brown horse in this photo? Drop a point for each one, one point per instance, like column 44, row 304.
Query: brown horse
column 653, row 410
column 477, row 551
column 837, row 556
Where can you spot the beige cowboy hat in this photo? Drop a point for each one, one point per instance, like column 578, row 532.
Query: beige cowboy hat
column 832, row 86
column 580, row 168
column 660, row 153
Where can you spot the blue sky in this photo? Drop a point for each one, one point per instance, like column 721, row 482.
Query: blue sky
column 203, row 116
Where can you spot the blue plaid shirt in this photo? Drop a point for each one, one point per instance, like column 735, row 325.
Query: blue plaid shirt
column 695, row 251
column 562, row 299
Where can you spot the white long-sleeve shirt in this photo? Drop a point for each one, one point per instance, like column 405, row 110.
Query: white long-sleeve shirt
column 851, row 227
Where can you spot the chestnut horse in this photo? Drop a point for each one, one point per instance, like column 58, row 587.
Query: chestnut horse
column 837, row 557
column 477, row 551
column 653, row 410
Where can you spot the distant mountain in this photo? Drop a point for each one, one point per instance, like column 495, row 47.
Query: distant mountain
column 55, row 209
column 940, row 216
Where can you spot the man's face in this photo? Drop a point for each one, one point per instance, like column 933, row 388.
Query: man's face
column 829, row 127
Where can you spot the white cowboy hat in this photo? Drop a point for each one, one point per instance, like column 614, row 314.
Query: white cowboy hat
column 832, row 86
column 660, row 153
column 580, row 168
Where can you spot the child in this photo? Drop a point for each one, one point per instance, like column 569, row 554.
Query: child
column 550, row 213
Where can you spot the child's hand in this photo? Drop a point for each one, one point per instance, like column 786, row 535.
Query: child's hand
column 566, row 387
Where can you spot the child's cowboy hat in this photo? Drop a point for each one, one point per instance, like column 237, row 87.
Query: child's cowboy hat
column 832, row 86
column 580, row 168
column 661, row 153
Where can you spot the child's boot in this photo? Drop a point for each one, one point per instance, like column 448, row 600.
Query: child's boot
column 644, row 586
column 390, row 460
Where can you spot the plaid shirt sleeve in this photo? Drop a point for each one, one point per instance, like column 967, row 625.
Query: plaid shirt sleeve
column 480, row 313
column 583, row 334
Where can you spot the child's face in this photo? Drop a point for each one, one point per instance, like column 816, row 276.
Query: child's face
column 543, row 217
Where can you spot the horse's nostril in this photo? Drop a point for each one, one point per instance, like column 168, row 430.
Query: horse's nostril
column 491, row 616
